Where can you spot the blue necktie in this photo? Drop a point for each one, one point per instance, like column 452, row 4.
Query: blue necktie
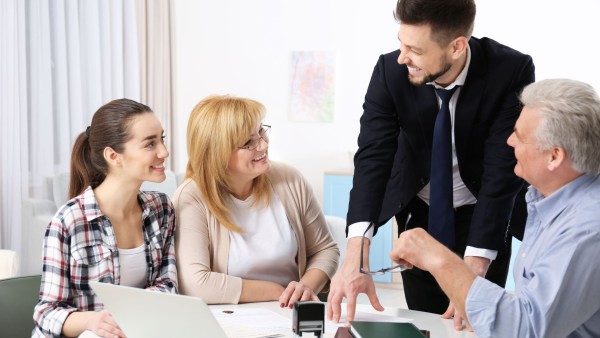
column 441, row 206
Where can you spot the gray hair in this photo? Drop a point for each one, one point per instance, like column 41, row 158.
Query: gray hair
column 570, row 119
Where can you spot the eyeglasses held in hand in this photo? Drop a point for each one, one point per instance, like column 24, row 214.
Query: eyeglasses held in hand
column 397, row 268
column 263, row 134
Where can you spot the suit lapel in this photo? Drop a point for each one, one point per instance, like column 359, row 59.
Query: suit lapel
column 469, row 100
column 426, row 108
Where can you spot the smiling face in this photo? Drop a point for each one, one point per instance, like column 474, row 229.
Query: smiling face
column 426, row 60
column 143, row 158
column 532, row 163
column 247, row 164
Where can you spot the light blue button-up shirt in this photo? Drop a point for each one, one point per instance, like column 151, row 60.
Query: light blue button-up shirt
column 557, row 271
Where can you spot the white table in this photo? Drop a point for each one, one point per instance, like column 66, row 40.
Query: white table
column 438, row 327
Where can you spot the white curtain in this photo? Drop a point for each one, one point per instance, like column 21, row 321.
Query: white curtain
column 156, row 40
column 61, row 60
column 13, row 119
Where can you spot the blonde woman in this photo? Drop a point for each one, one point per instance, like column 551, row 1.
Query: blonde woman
column 249, row 230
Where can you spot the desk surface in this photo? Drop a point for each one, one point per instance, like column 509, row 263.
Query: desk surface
column 438, row 327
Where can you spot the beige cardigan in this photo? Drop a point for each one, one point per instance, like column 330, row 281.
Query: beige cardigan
column 202, row 243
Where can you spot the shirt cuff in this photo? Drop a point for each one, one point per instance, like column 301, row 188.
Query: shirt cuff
column 478, row 252
column 358, row 229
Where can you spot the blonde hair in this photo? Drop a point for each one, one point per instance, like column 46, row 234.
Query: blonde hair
column 217, row 127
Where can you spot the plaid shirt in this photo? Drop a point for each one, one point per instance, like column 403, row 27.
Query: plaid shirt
column 80, row 246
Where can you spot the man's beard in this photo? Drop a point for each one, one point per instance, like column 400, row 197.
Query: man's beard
column 430, row 77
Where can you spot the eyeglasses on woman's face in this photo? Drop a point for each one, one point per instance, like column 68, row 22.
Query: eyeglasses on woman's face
column 396, row 268
column 263, row 134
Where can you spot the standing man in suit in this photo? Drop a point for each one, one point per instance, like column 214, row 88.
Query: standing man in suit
column 442, row 90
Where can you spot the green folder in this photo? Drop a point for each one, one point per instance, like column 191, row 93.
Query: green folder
column 384, row 330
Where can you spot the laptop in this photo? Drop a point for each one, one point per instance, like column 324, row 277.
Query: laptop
column 146, row 314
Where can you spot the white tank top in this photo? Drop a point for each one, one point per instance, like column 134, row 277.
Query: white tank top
column 266, row 249
column 133, row 267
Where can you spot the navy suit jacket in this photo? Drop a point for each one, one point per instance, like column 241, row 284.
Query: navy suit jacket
column 393, row 161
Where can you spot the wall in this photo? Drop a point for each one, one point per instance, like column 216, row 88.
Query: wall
column 242, row 47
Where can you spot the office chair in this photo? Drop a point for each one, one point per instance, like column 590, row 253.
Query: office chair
column 18, row 297
column 337, row 227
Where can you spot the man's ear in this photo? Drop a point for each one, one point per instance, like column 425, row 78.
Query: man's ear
column 459, row 46
column 112, row 157
column 556, row 158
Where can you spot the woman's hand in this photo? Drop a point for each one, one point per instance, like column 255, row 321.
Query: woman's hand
column 103, row 325
column 296, row 291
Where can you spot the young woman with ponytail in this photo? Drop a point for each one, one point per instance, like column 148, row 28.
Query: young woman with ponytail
column 109, row 231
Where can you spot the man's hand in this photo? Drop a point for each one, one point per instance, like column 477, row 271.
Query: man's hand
column 349, row 282
column 416, row 247
column 451, row 312
column 480, row 266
